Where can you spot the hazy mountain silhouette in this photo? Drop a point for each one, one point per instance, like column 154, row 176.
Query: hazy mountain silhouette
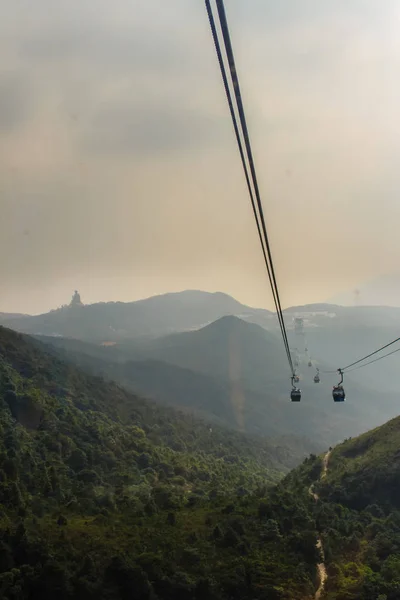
column 335, row 336
column 159, row 315
column 235, row 372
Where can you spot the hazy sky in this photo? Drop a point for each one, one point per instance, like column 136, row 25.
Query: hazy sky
column 119, row 172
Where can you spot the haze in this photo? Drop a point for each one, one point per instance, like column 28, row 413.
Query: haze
column 119, row 173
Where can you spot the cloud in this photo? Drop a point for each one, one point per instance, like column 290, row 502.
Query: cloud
column 142, row 131
column 15, row 103
column 119, row 171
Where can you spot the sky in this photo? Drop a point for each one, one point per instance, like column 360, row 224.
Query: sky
column 119, row 171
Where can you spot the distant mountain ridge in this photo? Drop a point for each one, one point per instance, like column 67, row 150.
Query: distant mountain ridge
column 5, row 316
column 155, row 316
column 335, row 335
column 183, row 311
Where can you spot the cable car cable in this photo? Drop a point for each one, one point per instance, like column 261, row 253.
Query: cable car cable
column 367, row 356
column 236, row 86
column 229, row 52
column 239, row 102
column 238, row 139
column 375, row 360
column 371, row 354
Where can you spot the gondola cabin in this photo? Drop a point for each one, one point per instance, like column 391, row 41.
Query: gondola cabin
column 338, row 394
column 295, row 395
column 316, row 379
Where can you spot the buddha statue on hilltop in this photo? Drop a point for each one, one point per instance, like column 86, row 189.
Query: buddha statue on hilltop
column 76, row 299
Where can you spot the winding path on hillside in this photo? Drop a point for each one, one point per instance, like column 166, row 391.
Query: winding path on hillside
column 321, row 566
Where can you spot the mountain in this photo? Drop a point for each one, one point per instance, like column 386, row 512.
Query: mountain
column 106, row 496
column 217, row 398
column 6, row 316
column 229, row 348
column 236, row 374
column 335, row 335
column 159, row 315
column 366, row 470
column 357, row 513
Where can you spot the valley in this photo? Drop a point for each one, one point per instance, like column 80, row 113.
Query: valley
column 175, row 465
column 199, row 308
column 233, row 371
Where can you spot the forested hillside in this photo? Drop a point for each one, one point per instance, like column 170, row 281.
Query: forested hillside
column 104, row 495
column 358, row 515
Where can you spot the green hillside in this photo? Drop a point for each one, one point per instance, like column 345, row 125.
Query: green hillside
column 104, row 495
column 358, row 514
column 368, row 468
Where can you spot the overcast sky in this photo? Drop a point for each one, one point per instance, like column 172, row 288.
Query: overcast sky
column 119, row 172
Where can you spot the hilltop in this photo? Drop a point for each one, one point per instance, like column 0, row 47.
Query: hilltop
column 228, row 348
column 155, row 316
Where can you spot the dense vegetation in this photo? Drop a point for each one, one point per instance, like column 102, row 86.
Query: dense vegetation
column 359, row 516
column 104, row 495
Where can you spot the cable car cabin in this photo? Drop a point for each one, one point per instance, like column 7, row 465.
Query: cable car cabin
column 338, row 394
column 295, row 395
column 309, row 363
column 316, row 379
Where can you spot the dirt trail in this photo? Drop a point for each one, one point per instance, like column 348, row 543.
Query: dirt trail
column 321, row 566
